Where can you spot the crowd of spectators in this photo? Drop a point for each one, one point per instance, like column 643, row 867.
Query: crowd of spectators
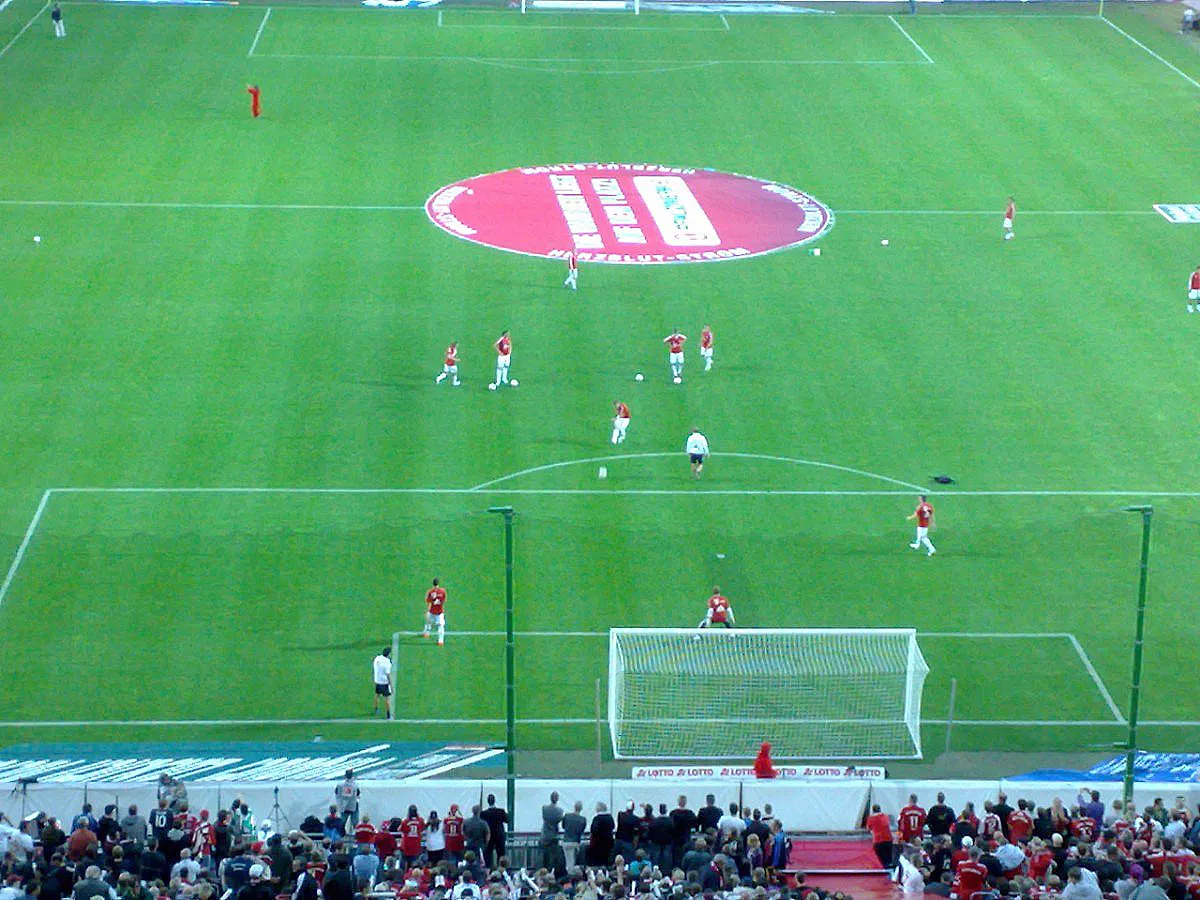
column 708, row 853
column 1083, row 852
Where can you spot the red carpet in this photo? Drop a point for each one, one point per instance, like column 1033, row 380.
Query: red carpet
column 860, row 887
column 853, row 855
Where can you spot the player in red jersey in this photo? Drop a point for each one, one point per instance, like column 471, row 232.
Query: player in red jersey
column 675, row 341
column 412, row 831
column 255, row 101
column 924, row 516
column 911, row 820
column 1010, row 212
column 572, row 272
column 620, row 422
column 452, row 828
column 1194, row 290
column 435, row 612
column 719, row 611
column 970, row 876
column 450, row 366
column 503, row 357
column 706, row 347
column 1020, row 823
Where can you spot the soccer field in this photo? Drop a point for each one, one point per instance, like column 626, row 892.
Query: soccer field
column 230, row 476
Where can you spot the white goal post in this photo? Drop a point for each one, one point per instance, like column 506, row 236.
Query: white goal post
column 814, row 693
column 634, row 6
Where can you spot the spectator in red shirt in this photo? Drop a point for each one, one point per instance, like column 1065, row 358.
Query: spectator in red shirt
column 412, row 831
column 364, row 834
column 970, row 876
column 385, row 840
column 911, row 820
column 880, row 827
column 1020, row 823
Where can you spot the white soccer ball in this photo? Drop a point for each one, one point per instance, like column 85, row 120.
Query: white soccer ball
column 603, row 473
column 638, row 377
column 37, row 238
column 677, row 380
column 492, row 386
column 514, row 382
column 884, row 242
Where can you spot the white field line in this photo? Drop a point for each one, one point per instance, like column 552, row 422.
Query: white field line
column 634, row 28
column 920, row 634
column 24, row 29
column 155, row 204
column 5, row 5
column 501, row 60
column 1178, row 71
column 368, row 720
column 375, row 207
column 730, row 454
column 725, row 22
column 24, row 546
column 258, row 34
column 911, row 39
column 439, row 19
column 1091, row 670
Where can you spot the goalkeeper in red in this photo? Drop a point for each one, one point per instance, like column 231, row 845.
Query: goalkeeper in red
column 435, row 612
column 719, row 611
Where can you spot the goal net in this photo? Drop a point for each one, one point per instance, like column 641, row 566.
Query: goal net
column 679, row 693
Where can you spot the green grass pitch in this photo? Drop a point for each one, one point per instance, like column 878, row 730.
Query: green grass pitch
column 218, row 302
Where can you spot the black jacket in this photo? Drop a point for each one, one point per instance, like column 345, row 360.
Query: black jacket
column 339, row 885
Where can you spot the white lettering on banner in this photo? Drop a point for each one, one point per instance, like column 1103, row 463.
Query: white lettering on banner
column 576, row 212
column 1179, row 213
column 441, row 211
column 680, row 218
column 619, row 213
column 607, row 167
column 746, row 773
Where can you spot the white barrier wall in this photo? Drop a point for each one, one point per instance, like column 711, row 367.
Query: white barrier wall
column 802, row 806
column 892, row 796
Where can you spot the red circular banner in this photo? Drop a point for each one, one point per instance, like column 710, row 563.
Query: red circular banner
column 629, row 214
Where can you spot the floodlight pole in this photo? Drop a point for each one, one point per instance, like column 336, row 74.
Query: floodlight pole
column 510, row 708
column 1136, row 684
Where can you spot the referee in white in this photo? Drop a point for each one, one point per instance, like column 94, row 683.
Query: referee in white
column 697, row 450
column 381, row 669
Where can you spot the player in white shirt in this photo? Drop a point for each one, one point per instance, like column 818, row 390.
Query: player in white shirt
column 572, row 272
column 382, row 672
column 697, row 450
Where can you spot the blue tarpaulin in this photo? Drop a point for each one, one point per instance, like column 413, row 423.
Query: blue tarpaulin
column 1167, row 767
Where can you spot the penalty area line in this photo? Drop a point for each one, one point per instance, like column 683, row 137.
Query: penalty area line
column 1100, row 686
column 261, row 26
column 24, row 29
column 24, row 546
column 1174, row 68
column 911, row 40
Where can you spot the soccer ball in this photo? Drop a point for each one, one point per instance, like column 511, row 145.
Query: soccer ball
column 514, row 382
column 677, row 380
column 638, row 377
column 492, row 386
column 603, row 473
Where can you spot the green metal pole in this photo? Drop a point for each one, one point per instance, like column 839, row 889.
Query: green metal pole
column 1136, row 683
column 510, row 700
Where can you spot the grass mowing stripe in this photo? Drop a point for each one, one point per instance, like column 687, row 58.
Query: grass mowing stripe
column 1174, row 68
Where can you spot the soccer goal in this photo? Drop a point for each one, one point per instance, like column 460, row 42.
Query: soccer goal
column 679, row 693
column 633, row 6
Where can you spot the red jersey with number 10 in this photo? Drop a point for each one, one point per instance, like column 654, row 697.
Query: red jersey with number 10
column 436, row 601
column 719, row 607
column 924, row 513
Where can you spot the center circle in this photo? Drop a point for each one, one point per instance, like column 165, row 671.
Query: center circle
column 628, row 213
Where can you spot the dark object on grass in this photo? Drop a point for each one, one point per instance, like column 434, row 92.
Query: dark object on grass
column 942, row 479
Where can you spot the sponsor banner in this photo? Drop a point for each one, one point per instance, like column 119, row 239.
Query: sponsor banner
column 1179, row 213
column 746, row 773
column 628, row 214
column 401, row 4
column 232, row 763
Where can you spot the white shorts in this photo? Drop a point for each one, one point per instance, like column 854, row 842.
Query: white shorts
column 502, row 361
column 439, row 619
column 1193, row 295
column 675, row 358
column 620, row 424
column 1007, row 223
column 922, row 531
column 449, row 370
column 706, row 352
